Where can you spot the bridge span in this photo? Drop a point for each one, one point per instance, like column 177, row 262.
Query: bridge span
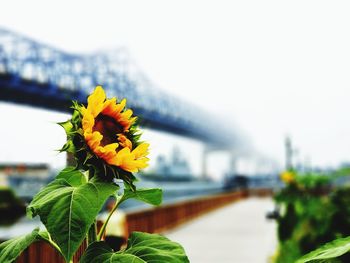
column 39, row 75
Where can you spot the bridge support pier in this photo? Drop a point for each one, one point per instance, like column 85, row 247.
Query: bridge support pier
column 233, row 163
column 205, row 162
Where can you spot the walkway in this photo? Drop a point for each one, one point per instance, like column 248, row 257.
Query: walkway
column 238, row 233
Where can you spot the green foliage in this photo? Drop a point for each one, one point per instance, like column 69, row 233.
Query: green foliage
column 330, row 250
column 67, row 126
column 288, row 252
column 73, row 176
column 142, row 247
column 312, row 181
column 342, row 172
column 312, row 214
column 68, row 207
column 151, row 196
column 11, row 249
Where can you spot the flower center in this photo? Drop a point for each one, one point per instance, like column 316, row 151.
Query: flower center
column 108, row 127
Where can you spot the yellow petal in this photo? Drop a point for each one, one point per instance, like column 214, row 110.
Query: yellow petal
column 134, row 165
column 124, row 141
column 109, row 106
column 108, row 152
column 83, row 109
column 121, row 105
column 93, row 139
column 111, row 147
column 96, row 101
column 126, row 159
column 127, row 114
column 88, row 121
column 141, row 151
column 142, row 163
column 122, row 154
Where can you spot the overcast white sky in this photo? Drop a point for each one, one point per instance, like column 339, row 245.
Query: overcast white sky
column 273, row 67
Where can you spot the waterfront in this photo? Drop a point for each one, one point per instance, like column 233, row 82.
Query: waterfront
column 238, row 232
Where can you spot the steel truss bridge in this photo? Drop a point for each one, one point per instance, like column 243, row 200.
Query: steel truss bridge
column 36, row 74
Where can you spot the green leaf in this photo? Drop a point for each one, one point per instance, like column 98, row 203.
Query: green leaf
column 68, row 147
column 142, row 247
column 68, row 207
column 72, row 176
column 151, row 196
column 67, row 126
column 332, row 249
column 13, row 248
column 100, row 252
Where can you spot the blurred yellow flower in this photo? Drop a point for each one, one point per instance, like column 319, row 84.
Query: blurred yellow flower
column 287, row 177
column 105, row 125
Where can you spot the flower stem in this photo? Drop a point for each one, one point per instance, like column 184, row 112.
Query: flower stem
column 92, row 236
column 103, row 228
column 92, row 233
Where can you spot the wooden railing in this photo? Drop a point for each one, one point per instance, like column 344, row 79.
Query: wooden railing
column 153, row 220
column 157, row 220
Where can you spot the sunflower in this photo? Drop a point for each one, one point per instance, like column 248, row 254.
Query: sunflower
column 288, row 177
column 104, row 134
